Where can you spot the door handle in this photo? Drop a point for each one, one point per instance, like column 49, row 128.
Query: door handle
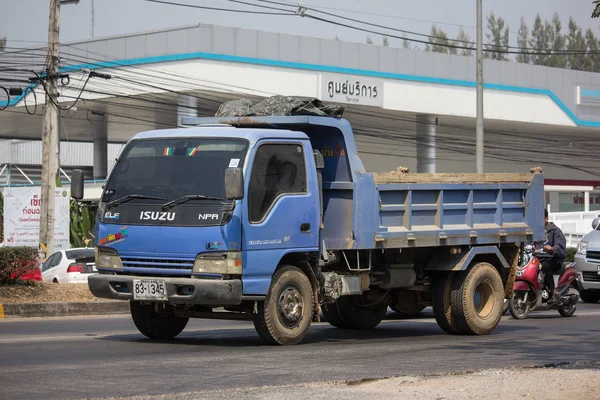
column 305, row 227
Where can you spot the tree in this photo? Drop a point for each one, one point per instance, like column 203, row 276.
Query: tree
column 369, row 41
column 406, row 44
column 575, row 43
column 440, row 42
column 522, row 37
column 557, row 41
column 591, row 62
column 2, row 43
column 497, row 39
column 386, row 41
column 538, row 42
column 596, row 12
column 464, row 40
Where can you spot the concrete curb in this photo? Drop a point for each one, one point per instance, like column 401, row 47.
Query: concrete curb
column 21, row 310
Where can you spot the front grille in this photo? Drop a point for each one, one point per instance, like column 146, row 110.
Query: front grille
column 157, row 263
column 590, row 276
column 594, row 255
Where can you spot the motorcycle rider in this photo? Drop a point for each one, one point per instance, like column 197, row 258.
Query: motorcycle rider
column 553, row 257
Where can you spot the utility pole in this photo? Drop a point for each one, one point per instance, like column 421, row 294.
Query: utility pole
column 479, row 116
column 50, row 136
column 93, row 19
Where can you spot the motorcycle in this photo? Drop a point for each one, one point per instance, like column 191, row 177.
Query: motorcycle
column 530, row 293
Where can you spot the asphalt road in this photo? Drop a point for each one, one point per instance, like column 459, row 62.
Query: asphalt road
column 59, row 358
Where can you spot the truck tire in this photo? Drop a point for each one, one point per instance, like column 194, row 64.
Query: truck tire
column 285, row 315
column 156, row 325
column 332, row 315
column 362, row 311
column 477, row 299
column 590, row 296
column 442, row 302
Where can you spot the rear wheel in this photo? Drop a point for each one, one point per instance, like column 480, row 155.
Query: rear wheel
column 364, row 311
column 477, row 299
column 285, row 315
column 442, row 302
column 162, row 324
column 332, row 315
column 570, row 310
column 590, row 296
column 518, row 307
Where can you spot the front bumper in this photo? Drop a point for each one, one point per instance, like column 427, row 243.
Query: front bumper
column 209, row 292
column 587, row 272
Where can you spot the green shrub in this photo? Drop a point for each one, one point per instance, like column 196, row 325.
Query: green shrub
column 15, row 261
column 82, row 224
column 571, row 251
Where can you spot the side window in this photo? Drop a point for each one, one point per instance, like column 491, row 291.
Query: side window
column 57, row 260
column 48, row 264
column 278, row 169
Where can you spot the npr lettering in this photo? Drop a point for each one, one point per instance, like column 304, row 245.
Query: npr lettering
column 208, row 216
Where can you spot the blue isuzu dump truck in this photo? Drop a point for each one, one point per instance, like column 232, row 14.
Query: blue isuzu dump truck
column 275, row 220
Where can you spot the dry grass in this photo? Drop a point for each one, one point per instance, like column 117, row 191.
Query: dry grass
column 45, row 292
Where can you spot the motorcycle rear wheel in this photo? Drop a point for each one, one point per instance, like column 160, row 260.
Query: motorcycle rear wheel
column 568, row 312
column 518, row 308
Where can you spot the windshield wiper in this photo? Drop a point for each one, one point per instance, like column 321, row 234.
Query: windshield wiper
column 125, row 199
column 188, row 197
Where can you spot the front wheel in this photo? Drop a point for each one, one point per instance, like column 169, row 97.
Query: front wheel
column 518, row 307
column 162, row 324
column 285, row 315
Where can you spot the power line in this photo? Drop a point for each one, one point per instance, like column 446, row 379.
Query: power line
column 215, row 8
column 490, row 47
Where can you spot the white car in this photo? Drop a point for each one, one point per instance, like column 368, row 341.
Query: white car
column 69, row 266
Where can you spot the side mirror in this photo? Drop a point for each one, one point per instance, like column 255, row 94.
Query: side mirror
column 595, row 223
column 77, row 184
column 234, row 184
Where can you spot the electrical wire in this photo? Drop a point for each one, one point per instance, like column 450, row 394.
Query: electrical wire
column 488, row 45
column 455, row 148
column 7, row 98
column 35, row 101
column 215, row 8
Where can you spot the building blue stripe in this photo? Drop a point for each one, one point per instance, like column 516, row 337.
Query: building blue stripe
column 322, row 68
column 589, row 93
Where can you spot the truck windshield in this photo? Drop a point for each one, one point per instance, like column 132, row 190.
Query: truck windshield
column 171, row 168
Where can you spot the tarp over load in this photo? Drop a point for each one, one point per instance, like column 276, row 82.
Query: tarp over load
column 280, row 105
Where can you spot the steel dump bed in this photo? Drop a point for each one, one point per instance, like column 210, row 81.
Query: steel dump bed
column 363, row 210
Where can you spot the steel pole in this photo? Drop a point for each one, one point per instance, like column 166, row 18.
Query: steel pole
column 479, row 112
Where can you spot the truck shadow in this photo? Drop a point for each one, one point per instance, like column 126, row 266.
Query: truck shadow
column 387, row 331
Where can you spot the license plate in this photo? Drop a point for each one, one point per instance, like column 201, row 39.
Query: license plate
column 598, row 269
column 149, row 289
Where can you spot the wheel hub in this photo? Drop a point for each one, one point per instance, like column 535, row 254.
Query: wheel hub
column 290, row 306
column 483, row 299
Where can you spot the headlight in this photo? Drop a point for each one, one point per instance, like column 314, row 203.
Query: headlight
column 582, row 248
column 229, row 263
column 107, row 258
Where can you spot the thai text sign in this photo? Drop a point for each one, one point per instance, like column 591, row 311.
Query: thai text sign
column 22, row 206
column 352, row 90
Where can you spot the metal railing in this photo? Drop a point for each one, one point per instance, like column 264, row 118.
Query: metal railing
column 575, row 225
